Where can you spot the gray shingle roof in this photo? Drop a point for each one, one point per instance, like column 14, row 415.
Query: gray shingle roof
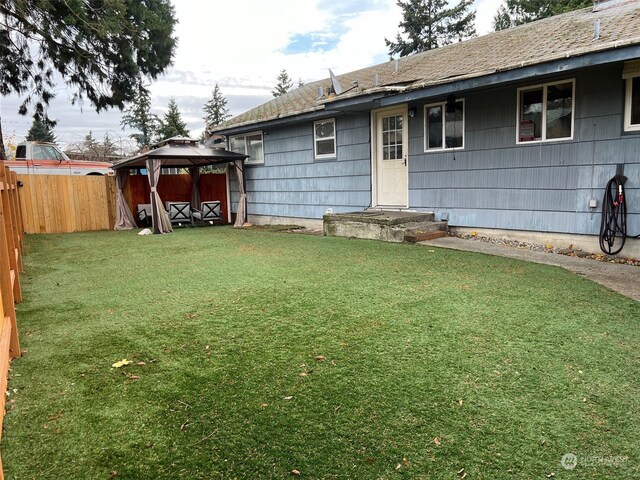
column 562, row 36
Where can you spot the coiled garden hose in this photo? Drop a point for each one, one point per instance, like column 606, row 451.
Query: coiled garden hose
column 613, row 224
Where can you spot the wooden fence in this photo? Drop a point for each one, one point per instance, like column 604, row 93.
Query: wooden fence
column 67, row 203
column 11, row 228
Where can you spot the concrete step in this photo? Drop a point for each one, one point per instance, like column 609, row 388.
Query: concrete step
column 385, row 225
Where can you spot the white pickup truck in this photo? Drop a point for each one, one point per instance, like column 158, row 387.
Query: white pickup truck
column 47, row 159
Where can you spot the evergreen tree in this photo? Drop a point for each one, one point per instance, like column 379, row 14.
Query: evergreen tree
column 284, row 84
column 300, row 83
column 518, row 12
column 40, row 131
column 215, row 110
column 171, row 125
column 138, row 116
column 98, row 49
column 429, row 24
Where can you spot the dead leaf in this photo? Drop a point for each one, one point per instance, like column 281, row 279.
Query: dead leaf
column 185, row 425
column 122, row 363
column 320, row 358
column 263, row 405
column 303, row 374
column 295, row 472
column 461, row 471
column 406, row 463
column 460, row 402
column 437, row 441
column 114, row 474
column 134, row 377
column 141, row 364
column 551, row 475
column 55, row 417
column 288, row 398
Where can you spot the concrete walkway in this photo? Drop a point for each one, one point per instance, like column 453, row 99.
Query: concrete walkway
column 624, row 279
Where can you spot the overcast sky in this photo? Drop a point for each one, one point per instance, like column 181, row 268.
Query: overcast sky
column 242, row 45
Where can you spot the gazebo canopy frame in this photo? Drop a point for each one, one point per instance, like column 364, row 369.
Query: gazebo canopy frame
column 176, row 152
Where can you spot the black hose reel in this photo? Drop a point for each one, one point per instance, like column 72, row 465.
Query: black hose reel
column 613, row 224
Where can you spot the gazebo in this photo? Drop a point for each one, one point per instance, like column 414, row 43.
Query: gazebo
column 175, row 152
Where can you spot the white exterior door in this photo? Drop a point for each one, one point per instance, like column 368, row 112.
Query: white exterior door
column 391, row 145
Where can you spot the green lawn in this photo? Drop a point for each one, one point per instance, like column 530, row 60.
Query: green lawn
column 256, row 353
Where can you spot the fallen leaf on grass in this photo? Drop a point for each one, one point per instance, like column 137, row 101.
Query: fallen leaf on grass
column 263, row 405
column 287, row 398
column 134, row 377
column 114, row 474
column 122, row 363
column 437, row 441
column 406, row 463
column 320, row 358
column 462, row 474
column 303, row 374
column 295, row 472
column 551, row 475
column 141, row 364
column 55, row 417
column 184, row 425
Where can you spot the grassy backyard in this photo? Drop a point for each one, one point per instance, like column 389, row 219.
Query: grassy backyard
column 258, row 353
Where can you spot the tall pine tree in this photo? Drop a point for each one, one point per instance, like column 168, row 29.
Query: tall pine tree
column 215, row 110
column 172, row 125
column 429, row 24
column 41, row 131
column 517, row 12
column 138, row 116
column 284, row 84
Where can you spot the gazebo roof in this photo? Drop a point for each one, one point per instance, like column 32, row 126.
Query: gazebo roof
column 182, row 153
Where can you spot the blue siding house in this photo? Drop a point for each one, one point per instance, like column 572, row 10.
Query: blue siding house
column 514, row 133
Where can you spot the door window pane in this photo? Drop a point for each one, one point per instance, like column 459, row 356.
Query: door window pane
column 559, row 110
column 392, row 137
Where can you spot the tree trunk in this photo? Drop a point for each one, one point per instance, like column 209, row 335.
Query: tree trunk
column 3, row 154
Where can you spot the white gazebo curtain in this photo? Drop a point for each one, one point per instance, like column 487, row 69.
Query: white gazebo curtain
column 241, row 213
column 160, row 217
column 124, row 217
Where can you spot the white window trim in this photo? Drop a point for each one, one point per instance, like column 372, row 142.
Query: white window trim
column 249, row 161
column 443, row 104
column 315, row 140
column 543, row 130
column 628, row 126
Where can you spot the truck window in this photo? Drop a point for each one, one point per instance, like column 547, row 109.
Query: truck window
column 45, row 152
column 21, row 152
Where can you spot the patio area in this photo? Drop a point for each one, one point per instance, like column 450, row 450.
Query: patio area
column 254, row 354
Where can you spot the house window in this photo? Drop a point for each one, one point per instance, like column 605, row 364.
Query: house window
column 632, row 105
column 249, row 144
column 545, row 112
column 324, row 138
column 444, row 125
